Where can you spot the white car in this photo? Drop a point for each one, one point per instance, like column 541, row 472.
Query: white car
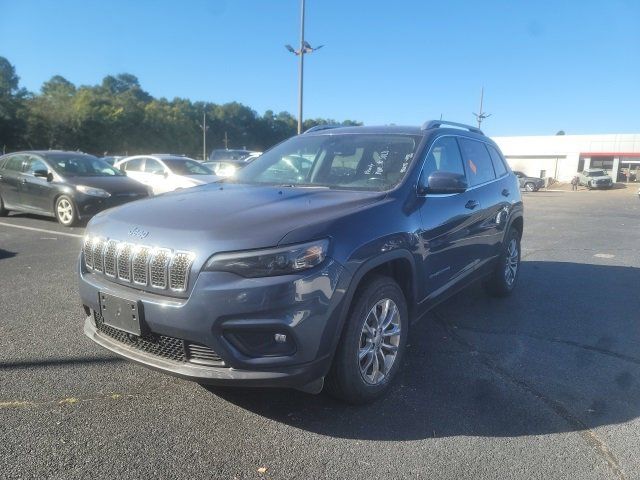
column 166, row 172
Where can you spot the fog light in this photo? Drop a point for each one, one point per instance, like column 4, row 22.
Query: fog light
column 280, row 338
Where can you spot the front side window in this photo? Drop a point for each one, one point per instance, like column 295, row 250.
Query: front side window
column 477, row 161
column 153, row 166
column 444, row 156
column 81, row 165
column 370, row 162
column 34, row 164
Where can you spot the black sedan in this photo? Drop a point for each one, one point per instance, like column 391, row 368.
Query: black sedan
column 69, row 186
column 530, row 184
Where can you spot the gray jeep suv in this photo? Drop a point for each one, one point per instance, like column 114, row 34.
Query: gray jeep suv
column 293, row 273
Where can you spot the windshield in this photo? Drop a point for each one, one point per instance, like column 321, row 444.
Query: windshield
column 596, row 173
column 82, row 165
column 185, row 166
column 347, row 161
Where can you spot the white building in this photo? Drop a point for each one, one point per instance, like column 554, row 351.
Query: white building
column 562, row 156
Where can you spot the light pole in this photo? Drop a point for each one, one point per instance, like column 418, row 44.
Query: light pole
column 204, row 128
column 480, row 116
column 304, row 49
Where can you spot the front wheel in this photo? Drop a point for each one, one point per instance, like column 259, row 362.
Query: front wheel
column 65, row 211
column 372, row 344
column 3, row 211
column 503, row 279
column 529, row 187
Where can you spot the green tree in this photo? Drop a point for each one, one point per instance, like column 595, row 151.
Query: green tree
column 12, row 97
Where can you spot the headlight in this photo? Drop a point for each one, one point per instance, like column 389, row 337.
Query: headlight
column 272, row 261
column 94, row 192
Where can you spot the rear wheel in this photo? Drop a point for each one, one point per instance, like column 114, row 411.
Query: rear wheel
column 372, row 344
column 505, row 276
column 65, row 211
column 529, row 187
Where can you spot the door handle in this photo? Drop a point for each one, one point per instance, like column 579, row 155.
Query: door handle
column 23, row 181
column 505, row 193
column 471, row 204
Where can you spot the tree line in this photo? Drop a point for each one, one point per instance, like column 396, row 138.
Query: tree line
column 118, row 117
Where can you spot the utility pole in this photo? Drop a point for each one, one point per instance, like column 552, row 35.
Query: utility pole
column 304, row 49
column 204, row 128
column 480, row 116
column 226, row 141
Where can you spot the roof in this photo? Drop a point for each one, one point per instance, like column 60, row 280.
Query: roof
column 389, row 129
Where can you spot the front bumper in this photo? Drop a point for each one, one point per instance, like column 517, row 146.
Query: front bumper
column 222, row 308
column 88, row 205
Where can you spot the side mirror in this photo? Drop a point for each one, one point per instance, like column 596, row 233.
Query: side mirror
column 42, row 173
column 165, row 174
column 444, row 182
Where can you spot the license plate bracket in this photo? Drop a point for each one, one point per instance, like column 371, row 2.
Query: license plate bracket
column 120, row 313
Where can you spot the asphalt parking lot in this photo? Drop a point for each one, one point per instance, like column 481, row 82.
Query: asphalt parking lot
column 545, row 384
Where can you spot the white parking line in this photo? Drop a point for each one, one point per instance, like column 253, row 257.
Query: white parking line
column 65, row 234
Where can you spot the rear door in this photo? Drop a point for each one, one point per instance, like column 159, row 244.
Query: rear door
column 36, row 192
column 488, row 191
column 134, row 168
column 10, row 178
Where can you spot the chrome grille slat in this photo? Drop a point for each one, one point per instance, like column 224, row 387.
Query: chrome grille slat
column 159, row 268
column 124, row 261
column 110, row 250
column 179, row 271
column 87, row 251
column 98, row 254
column 139, row 264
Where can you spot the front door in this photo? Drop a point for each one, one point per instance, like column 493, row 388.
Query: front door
column 447, row 221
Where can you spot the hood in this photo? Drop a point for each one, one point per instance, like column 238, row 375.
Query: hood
column 114, row 185
column 225, row 217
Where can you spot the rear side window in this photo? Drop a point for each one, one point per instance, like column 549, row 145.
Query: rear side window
column 15, row 163
column 498, row 162
column 134, row 165
column 444, row 156
column 477, row 161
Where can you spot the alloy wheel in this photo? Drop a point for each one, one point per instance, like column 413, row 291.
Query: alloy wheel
column 511, row 266
column 65, row 211
column 379, row 341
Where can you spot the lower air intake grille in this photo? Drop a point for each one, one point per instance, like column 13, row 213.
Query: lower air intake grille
column 159, row 345
column 163, row 346
column 203, row 355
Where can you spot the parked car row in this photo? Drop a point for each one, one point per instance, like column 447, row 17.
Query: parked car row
column 72, row 186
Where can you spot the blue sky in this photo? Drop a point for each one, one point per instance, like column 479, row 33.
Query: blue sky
column 545, row 65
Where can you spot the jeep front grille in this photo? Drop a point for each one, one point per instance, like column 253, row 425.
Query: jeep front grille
column 159, row 268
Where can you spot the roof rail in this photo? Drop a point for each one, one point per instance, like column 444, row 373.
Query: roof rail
column 438, row 123
column 321, row 127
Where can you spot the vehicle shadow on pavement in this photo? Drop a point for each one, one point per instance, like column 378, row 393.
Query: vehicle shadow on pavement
column 6, row 254
column 559, row 355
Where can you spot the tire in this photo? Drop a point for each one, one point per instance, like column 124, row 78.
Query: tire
column 505, row 276
column 65, row 211
column 3, row 211
column 529, row 187
column 353, row 380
